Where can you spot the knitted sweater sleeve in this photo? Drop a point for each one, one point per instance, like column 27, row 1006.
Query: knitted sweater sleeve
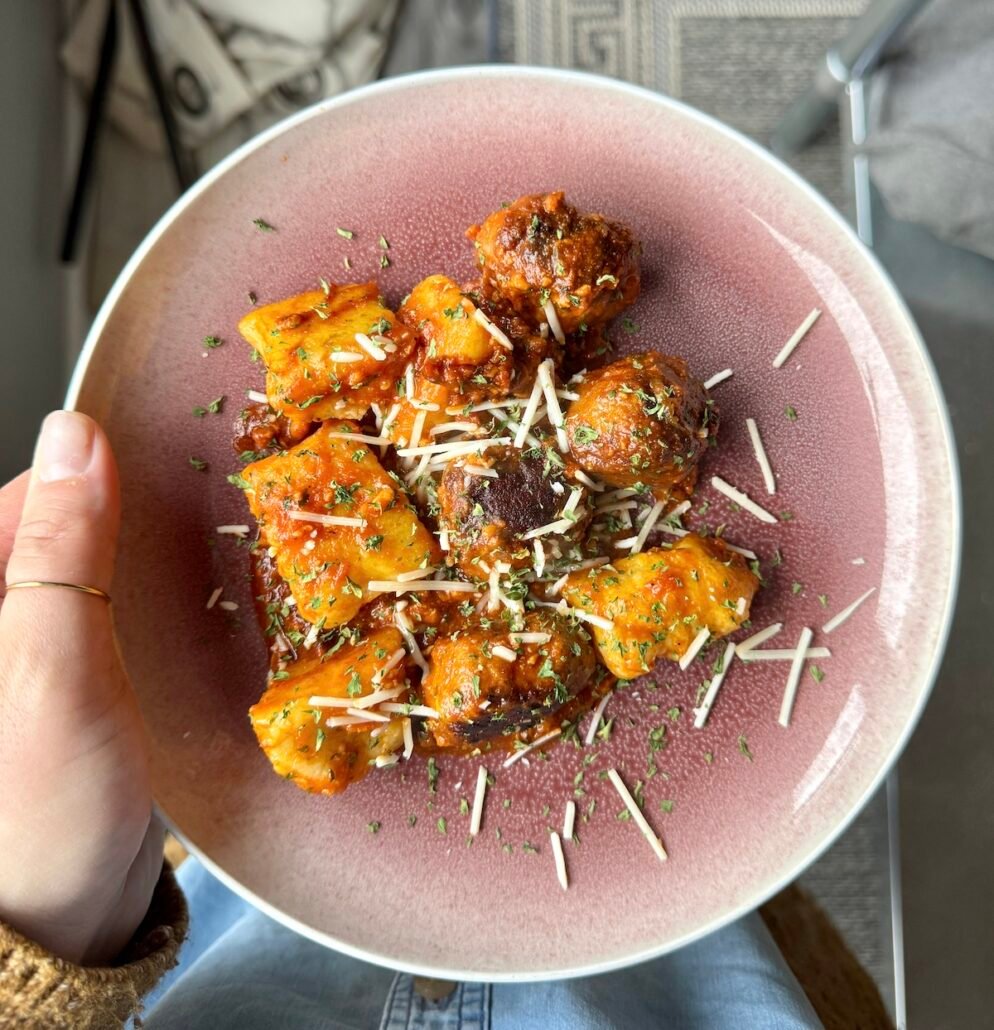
column 37, row 989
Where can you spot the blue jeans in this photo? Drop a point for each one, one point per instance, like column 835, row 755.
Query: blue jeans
column 241, row 971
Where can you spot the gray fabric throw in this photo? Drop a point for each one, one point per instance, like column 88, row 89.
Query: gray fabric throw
column 931, row 141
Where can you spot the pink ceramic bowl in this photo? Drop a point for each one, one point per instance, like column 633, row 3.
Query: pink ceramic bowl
column 737, row 251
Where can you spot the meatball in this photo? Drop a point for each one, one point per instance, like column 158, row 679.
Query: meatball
column 658, row 600
column 643, row 419
column 488, row 515
column 541, row 249
column 481, row 697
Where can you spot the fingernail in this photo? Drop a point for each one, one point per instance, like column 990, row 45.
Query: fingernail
column 64, row 447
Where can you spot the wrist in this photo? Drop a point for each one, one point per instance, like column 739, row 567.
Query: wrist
column 83, row 915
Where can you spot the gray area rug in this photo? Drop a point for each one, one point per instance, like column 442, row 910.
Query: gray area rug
column 745, row 62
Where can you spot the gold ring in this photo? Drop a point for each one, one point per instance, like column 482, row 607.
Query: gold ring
column 95, row 591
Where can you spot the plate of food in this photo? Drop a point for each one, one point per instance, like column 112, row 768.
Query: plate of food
column 541, row 521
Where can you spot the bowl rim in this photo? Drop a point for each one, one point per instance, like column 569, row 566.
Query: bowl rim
column 903, row 321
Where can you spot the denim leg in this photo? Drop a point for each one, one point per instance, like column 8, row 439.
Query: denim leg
column 735, row 978
column 239, row 970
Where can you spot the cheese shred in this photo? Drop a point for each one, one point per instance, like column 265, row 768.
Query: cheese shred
column 478, row 799
column 636, row 813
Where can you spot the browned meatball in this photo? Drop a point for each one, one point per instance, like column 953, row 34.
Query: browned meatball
column 481, row 696
column 487, row 516
column 541, row 249
column 643, row 419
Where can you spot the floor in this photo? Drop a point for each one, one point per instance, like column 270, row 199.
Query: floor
column 947, row 777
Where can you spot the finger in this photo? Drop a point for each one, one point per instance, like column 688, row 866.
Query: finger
column 11, row 502
column 67, row 534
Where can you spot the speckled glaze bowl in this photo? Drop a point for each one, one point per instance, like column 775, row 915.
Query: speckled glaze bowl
column 737, row 251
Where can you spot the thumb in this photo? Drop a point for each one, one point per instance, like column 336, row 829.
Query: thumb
column 67, row 534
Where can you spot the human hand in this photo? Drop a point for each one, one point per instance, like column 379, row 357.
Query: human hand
column 80, row 851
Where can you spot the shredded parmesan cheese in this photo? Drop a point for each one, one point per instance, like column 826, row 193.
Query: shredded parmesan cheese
column 701, row 714
column 258, row 398
column 344, row 356
column 568, row 819
column 539, row 563
column 758, row 638
column 553, row 319
column 581, row 477
column 391, row 663
column 636, row 814
column 408, row 739
column 215, row 594
column 595, row 620
column 559, row 526
column 241, row 531
column 359, row 713
column 718, row 377
column 650, row 521
column 389, row 418
column 695, row 646
column 615, row 495
column 484, row 406
column 478, row 798
column 417, row 428
column 452, row 427
column 771, row 654
column 762, row 460
column 500, row 651
column 799, row 334
column 794, row 676
column 557, row 854
column 480, row 470
column 383, row 761
column 518, row 755
column 325, row 520
column 372, row 349
column 528, row 416
column 837, row 620
column 455, row 448
column 394, row 586
column 358, row 438
column 604, row 509
column 595, row 719
column 546, row 375
column 529, row 638
column 405, row 628
column 744, row 551
column 742, row 500
column 345, row 720
column 367, row 701
column 499, row 335
column 406, row 577
column 401, row 709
